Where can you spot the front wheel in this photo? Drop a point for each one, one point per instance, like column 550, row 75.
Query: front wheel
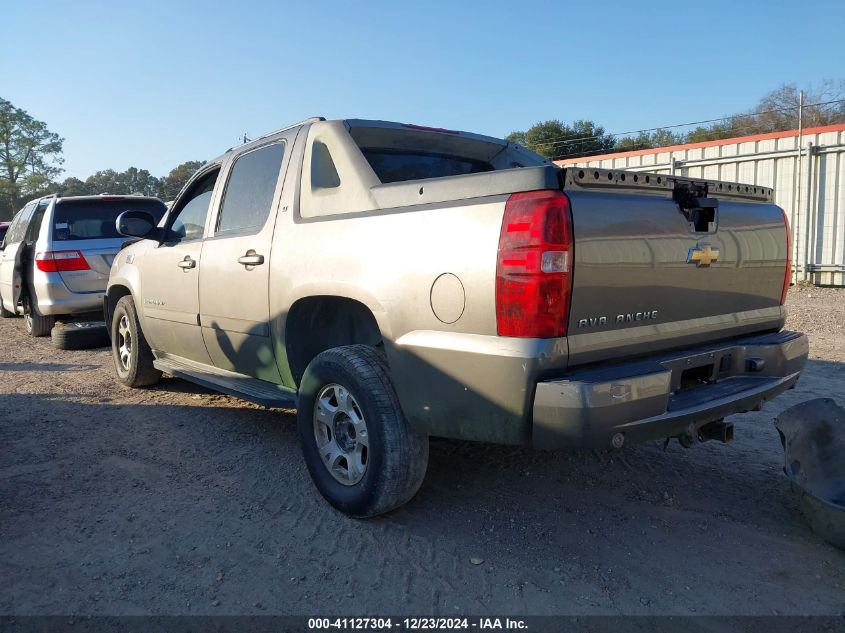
column 36, row 324
column 132, row 356
column 363, row 455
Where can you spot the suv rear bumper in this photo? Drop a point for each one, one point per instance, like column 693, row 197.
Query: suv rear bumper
column 54, row 298
column 644, row 399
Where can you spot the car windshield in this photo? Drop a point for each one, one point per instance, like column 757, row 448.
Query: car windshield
column 94, row 219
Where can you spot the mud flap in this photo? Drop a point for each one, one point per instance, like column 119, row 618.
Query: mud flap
column 813, row 438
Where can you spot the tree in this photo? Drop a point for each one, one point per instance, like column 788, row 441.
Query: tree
column 30, row 155
column 106, row 181
column 142, row 181
column 646, row 140
column 555, row 139
column 131, row 181
column 73, row 187
column 778, row 111
column 173, row 182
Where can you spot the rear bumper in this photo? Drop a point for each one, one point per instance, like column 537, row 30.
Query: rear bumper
column 54, row 298
column 644, row 399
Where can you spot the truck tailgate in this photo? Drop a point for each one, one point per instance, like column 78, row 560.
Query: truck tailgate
column 650, row 275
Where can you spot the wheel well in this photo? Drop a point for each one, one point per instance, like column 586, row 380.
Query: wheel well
column 315, row 324
column 115, row 294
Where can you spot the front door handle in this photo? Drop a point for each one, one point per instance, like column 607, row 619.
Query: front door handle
column 187, row 263
column 251, row 259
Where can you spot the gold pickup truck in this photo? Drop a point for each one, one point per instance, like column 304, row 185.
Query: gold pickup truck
column 395, row 282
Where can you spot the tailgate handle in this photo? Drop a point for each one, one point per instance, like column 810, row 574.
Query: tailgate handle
column 251, row 259
column 187, row 263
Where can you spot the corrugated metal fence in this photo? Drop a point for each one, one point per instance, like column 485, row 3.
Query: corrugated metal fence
column 807, row 173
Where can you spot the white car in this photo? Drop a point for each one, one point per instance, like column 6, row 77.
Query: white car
column 57, row 254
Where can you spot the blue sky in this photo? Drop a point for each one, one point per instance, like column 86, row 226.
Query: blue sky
column 152, row 84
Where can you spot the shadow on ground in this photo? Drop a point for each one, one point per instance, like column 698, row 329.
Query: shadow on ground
column 167, row 508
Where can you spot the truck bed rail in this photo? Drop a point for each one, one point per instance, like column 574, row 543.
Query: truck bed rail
column 594, row 178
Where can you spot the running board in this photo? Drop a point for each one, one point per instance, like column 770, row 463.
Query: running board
column 258, row 391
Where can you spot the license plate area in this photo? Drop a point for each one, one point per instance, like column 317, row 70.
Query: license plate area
column 694, row 371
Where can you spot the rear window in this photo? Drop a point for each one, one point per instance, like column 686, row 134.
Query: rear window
column 397, row 166
column 94, row 219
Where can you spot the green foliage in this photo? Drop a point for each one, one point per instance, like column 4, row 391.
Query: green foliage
column 73, row 187
column 131, row 181
column 776, row 111
column 648, row 140
column 30, row 156
column 173, row 182
column 555, row 139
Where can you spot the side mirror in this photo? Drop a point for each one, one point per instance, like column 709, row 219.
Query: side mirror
column 135, row 224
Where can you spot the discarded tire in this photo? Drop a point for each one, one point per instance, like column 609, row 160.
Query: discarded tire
column 813, row 438
column 81, row 335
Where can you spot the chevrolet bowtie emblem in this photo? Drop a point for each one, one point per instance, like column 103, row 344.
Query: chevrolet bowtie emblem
column 702, row 255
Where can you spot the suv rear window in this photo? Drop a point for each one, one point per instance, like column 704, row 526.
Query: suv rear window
column 94, row 219
column 398, row 166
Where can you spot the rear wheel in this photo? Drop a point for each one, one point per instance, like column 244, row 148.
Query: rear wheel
column 36, row 324
column 363, row 455
column 133, row 358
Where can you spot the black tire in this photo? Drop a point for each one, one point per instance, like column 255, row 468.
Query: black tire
column 80, row 335
column 4, row 313
column 138, row 370
column 35, row 323
column 396, row 453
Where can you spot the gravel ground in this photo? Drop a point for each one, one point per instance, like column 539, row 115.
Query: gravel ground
column 176, row 500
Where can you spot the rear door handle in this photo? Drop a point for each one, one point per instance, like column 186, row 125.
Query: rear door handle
column 251, row 259
column 187, row 263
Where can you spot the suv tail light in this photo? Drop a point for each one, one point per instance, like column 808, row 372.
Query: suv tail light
column 787, row 275
column 534, row 267
column 60, row 261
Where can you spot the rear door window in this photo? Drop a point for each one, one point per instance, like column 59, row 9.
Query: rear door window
column 250, row 190
column 34, row 227
column 398, row 166
column 94, row 219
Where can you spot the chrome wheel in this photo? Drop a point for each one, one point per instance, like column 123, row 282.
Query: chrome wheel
column 124, row 343
column 341, row 434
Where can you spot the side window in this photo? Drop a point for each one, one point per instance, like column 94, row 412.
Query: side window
column 34, row 227
column 323, row 172
column 19, row 224
column 188, row 221
column 249, row 193
column 10, row 232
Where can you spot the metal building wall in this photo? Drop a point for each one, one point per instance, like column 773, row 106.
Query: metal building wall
column 815, row 205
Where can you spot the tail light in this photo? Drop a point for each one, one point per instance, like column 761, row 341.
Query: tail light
column 787, row 275
column 534, row 267
column 60, row 261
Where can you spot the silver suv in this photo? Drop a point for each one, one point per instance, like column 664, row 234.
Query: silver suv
column 57, row 254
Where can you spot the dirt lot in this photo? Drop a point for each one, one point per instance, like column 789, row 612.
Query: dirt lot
column 179, row 501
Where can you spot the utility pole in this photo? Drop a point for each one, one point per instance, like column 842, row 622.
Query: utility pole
column 797, row 205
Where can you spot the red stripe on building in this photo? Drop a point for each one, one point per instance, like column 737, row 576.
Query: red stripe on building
column 838, row 127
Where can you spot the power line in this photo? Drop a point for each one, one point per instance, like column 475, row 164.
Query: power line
column 563, row 141
column 738, row 130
